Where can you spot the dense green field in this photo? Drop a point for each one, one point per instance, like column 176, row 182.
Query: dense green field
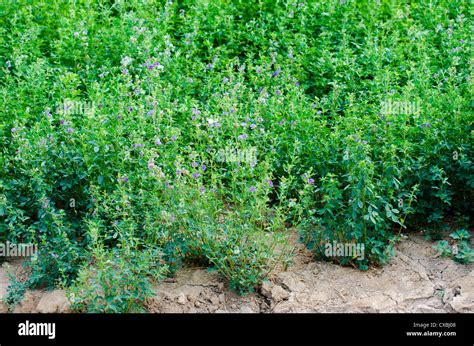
column 141, row 136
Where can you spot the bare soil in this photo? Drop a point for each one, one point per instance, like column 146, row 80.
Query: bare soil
column 415, row 280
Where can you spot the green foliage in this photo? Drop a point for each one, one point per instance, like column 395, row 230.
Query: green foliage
column 118, row 280
column 15, row 292
column 203, row 130
column 460, row 251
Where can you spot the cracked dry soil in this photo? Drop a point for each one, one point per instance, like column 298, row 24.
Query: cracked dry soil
column 415, row 280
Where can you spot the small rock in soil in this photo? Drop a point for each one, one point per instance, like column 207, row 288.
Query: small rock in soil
column 53, row 302
column 182, row 299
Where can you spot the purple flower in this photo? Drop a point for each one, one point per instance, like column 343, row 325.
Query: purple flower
column 202, row 189
column 194, row 164
column 243, row 124
column 253, row 126
column 311, row 181
column 151, row 164
column 252, row 189
column 157, row 141
column 178, row 171
column 196, row 175
column 193, row 117
column 276, row 73
column 152, row 66
column 173, row 138
column 151, row 112
column 270, row 183
column 428, row 125
column 297, row 84
column 243, row 136
column 203, row 167
column 462, row 41
column 225, row 80
column 70, row 130
column 45, row 203
column 252, row 164
column 62, row 121
column 13, row 130
column 124, row 179
column 209, row 66
column 130, row 109
column 278, row 92
column 157, row 64
column 211, row 123
column 125, row 71
column 282, row 121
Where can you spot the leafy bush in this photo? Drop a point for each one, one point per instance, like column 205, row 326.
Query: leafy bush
column 194, row 130
column 119, row 280
column 460, row 251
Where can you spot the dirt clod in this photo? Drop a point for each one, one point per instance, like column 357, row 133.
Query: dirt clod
column 53, row 302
